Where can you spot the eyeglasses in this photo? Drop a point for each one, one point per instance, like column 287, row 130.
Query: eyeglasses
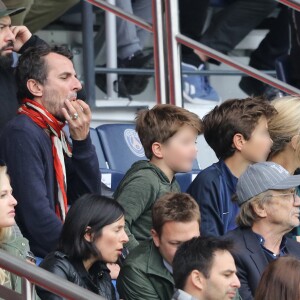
column 295, row 193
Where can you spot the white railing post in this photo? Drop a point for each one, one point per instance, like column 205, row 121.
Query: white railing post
column 158, row 52
column 27, row 290
column 173, row 49
column 111, row 51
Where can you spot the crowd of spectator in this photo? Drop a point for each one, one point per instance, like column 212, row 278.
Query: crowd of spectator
column 234, row 233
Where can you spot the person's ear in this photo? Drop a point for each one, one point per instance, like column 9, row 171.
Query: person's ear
column 155, row 238
column 238, row 141
column 88, row 235
column 260, row 210
column 295, row 141
column 197, row 279
column 157, row 150
column 35, row 88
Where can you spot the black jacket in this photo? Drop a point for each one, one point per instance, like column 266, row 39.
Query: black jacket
column 8, row 88
column 251, row 260
column 97, row 280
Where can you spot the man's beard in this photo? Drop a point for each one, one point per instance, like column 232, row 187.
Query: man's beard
column 6, row 60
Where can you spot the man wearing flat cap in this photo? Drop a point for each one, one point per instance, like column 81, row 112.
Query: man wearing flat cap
column 12, row 39
column 269, row 209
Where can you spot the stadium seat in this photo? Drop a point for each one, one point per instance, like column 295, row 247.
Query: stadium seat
column 110, row 178
column 121, row 145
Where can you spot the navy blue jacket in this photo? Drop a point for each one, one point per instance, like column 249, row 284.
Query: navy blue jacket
column 251, row 260
column 27, row 151
column 213, row 189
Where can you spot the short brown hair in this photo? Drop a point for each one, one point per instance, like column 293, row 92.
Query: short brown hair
column 178, row 207
column 232, row 117
column 161, row 122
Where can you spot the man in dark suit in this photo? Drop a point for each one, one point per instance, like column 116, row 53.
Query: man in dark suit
column 269, row 209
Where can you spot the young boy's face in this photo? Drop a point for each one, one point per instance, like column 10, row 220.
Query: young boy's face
column 257, row 148
column 180, row 150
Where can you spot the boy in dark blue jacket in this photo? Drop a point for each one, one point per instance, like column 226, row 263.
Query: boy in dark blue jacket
column 237, row 131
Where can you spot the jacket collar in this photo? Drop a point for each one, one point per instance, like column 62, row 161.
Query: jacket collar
column 155, row 264
column 252, row 244
column 231, row 180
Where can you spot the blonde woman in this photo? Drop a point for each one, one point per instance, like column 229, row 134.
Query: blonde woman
column 11, row 239
column 284, row 129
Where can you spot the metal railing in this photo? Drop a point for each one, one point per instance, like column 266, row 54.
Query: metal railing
column 292, row 4
column 32, row 275
column 174, row 39
column 156, row 28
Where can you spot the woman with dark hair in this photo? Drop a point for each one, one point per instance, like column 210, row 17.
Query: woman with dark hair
column 93, row 234
column 280, row 280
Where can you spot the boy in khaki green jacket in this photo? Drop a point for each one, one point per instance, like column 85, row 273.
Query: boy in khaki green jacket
column 168, row 135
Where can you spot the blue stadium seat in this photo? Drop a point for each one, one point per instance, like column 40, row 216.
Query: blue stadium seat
column 110, row 177
column 121, row 145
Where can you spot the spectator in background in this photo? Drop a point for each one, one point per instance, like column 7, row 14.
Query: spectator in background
column 46, row 174
column 12, row 39
column 92, row 235
column 280, row 280
column 203, row 268
column 11, row 240
column 275, row 44
column 237, row 131
column 131, row 41
column 284, row 131
column 147, row 271
column 168, row 135
column 195, row 88
column 269, row 209
column 39, row 13
column 293, row 61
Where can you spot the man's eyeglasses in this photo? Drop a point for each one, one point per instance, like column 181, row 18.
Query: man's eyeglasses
column 294, row 193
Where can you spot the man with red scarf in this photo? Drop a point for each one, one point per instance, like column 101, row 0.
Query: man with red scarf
column 46, row 173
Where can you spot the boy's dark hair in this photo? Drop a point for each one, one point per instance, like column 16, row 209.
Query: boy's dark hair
column 197, row 254
column 163, row 121
column 32, row 65
column 178, row 207
column 90, row 210
column 232, row 117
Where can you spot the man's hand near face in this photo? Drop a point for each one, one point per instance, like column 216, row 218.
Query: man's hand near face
column 78, row 115
column 22, row 35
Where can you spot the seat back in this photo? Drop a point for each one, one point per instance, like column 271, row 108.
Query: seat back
column 100, row 154
column 121, row 145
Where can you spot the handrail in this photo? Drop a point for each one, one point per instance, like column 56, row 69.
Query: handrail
column 246, row 69
column 291, row 4
column 192, row 72
column 44, row 279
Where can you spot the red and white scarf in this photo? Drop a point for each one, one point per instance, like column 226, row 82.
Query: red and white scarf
column 39, row 115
